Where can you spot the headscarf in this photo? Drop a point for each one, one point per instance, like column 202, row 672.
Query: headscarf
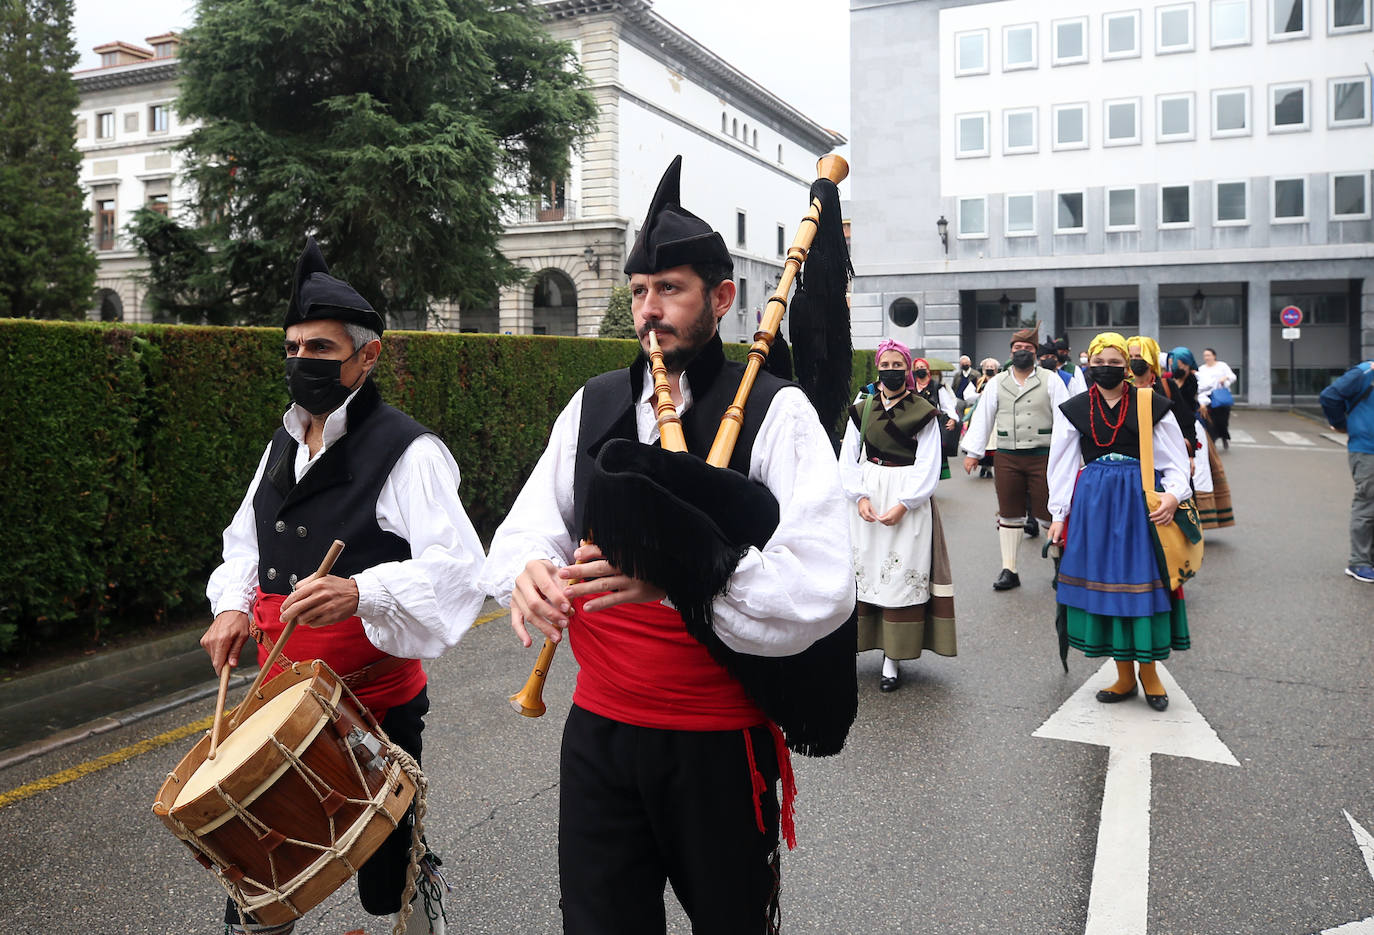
column 890, row 345
column 1184, row 356
column 1108, row 339
column 1149, row 350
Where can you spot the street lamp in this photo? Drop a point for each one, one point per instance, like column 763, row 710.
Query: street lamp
column 1198, row 300
column 1005, row 304
column 943, row 227
column 593, row 261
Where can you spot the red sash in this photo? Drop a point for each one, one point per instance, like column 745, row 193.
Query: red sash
column 345, row 648
column 637, row 664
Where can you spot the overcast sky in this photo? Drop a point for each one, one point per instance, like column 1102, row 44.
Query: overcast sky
column 798, row 49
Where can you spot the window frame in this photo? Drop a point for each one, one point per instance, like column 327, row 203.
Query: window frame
column 1192, row 212
column 1107, row 139
column 1055, row 110
column 166, row 110
column 102, row 242
column 741, row 228
column 1246, row 5
column 1331, row 121
column 1035, row 47
column 1191, row 44
column 1006, row 215
column 1107, row 224
column 959, row 70
column 1191, row 134
column 960, row 233
column 1082, row 210
column 100, row 120
column 1107, row 54
column 1304, row 33
column 1007, row 148
column 1057, row 60
column 1274, row 200
column 1217, row 220
column 1249, row 127
column 1333, row 30
column 1306, row 87
column 986, row 118
column 1331, row 200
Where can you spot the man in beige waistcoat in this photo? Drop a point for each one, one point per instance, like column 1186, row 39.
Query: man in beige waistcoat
column 1018, row 404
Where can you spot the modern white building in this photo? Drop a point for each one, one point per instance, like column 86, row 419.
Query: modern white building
column 1178, row 169
column 748, row 162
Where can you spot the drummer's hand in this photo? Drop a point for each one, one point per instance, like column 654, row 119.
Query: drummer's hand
column 1164, row 513
column 538, row 599
column 893, row 516
column 322, row 602
column 594, row 575
column 866, row 511
column 1056, row 533
column 225, row 637
column 970, row 463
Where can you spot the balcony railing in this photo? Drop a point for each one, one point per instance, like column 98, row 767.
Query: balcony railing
column 538, row 211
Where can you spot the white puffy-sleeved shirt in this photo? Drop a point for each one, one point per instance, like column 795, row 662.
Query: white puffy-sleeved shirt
column 975, row 443
column 414, row 609
column 781, row 598
column 1066, row 459
column 917, row 481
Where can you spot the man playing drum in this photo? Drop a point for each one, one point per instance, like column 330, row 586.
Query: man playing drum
column 669, row 767
column 345, row 465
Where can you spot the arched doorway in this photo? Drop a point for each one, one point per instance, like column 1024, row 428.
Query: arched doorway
column 555, row 304
column 110, row 305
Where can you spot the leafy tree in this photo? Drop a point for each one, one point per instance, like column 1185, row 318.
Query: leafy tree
column 390, row 130
column 47, row 269
column 618, row 322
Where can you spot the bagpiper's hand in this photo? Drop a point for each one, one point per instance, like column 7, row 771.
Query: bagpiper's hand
column 538, row 599
column 969, row 464
column 225, row 637
column 1056, row 533
column 593, row 574
column 893, row 516
column 866, row 511
column 1163, row 514
column 321, row 602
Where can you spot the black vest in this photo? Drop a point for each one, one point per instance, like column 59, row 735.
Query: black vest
column 336, row 499
column 1088, row 419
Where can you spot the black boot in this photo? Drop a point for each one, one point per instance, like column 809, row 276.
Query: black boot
column 1032, row 528
column 1006, row 581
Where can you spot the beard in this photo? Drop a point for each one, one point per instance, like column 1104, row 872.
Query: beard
column 691, row 339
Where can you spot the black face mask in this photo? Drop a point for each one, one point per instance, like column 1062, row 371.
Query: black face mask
column 921, row 374
column 989, row 373
column 1050, row 363
column 1109, row 378
column 1180, row 373
column 892, row 379
column 1139, row 367
column 1023, row 359
column 314, row 383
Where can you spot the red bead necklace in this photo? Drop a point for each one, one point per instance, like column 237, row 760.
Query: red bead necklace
column 1096, row 394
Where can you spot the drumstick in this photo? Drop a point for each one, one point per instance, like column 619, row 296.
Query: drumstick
column 219, row 708
column 323, row 570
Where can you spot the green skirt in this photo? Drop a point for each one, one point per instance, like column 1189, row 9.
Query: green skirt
column 1129, row 639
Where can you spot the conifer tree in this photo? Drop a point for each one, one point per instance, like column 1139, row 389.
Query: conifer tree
column 618, row 322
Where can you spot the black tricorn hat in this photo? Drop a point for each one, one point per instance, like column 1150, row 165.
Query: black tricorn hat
column 672, row 236
column 316, row 294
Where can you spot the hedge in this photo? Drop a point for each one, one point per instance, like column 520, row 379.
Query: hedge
column 127, row 449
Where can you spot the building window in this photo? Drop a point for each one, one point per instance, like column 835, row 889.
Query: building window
column 739, row 229
column 1020, row 215
column 782, row 243
column 109, row 58
column 1231, row 112
column 1175, row 206
column 742, row 296
column 1347, row 16
column 972, row 135
column 1232, row 200
column 1230, row 23
column 724, row 124
column 1174, row 28
column 1068, row 213
column 1121, row 35
column 105, row 224
column 157, row 118
column 1174, row 117
column 104, row 125
column 973, row 217
column 903, row 313
column 1349, row 196
column 1019, row 47
column 734, row 128
column 157, row 195
column 1348, row 101
column 971, row 52
column 1121, row 120
column 1070, row 41
column 1287, row 19
column 754, row 140
column 1121, row 209
column 1288, row 108
column 1071, row 126
column 1102, row 313
column 1018, row 131
column 1290, row 200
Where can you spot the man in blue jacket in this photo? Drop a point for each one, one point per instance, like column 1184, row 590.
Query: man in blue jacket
column 1349, row 406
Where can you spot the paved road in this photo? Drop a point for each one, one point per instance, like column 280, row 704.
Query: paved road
column 943, row 815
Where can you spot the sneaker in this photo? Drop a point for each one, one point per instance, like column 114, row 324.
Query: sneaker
column 1363, row 573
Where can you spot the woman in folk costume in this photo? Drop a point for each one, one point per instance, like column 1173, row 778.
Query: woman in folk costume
column 889, row 467
column 1110, row 580
column 1209, row 476
column 973, row 393
column 933, row 391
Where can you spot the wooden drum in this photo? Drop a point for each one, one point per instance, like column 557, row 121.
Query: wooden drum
column 298, row 796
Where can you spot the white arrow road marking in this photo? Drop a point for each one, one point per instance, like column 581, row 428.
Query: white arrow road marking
column 1242, row 437
column 1119, row 899
column 1336, row 437
column 1292, row 438
column 1365, row 841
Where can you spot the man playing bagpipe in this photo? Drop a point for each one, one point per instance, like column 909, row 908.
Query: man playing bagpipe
column 710, row 608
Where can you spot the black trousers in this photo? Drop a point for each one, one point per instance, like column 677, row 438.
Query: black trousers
column 639, row 807
column 1219, row 422
column 382, row 879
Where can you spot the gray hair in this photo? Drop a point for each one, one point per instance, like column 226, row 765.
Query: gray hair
column 360, row 334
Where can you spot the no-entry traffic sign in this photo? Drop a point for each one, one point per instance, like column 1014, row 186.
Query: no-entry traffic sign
column 1291, row 316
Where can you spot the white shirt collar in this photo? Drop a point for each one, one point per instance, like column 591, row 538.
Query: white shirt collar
column 296, row 421
column 646, row 392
